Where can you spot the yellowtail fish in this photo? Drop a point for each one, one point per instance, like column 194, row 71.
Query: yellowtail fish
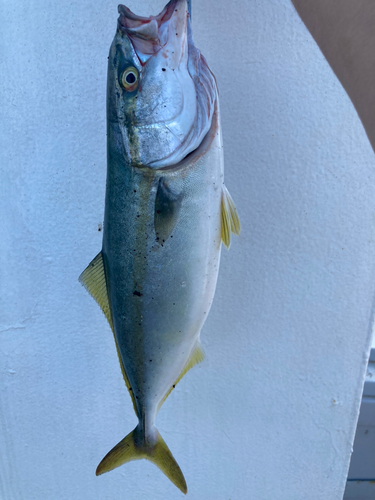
column 166, row 213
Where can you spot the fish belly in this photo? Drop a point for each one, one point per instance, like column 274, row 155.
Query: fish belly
column 161, row 266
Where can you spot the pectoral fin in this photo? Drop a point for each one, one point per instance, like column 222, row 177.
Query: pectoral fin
column 230, row 222
column 167, row 210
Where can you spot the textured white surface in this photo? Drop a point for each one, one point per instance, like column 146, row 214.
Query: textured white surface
column 272, row 412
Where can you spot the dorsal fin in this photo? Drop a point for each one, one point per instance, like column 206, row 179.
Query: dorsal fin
column 230, row 223
column 196, row 357
column 94, row 280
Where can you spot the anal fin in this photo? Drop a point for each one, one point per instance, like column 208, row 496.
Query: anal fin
column 196, row 357
column 230, row 222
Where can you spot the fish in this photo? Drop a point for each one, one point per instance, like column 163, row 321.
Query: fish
column 167, row 213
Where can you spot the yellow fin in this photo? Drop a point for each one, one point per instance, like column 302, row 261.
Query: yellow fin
column 230, row 222
column 94, row 280
column 135, row 447
column 196, row 357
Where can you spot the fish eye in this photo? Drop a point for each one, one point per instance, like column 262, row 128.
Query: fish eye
column 129, row 79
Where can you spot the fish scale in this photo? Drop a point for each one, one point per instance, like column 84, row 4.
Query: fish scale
column 166, row 215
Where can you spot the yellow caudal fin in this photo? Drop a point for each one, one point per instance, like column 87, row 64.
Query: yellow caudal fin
column 134, row 447
column 230, row 222
column 94, row 280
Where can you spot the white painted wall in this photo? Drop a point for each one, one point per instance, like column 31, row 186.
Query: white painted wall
column 272, row 412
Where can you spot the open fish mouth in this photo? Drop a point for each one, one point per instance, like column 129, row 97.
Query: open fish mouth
column 147, row 34
column 173, row 109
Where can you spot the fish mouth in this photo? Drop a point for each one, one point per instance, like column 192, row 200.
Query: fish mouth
column 173, row 112
column 147, row 33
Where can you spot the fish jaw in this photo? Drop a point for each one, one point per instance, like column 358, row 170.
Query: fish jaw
column 149, row 34
column 170, row 111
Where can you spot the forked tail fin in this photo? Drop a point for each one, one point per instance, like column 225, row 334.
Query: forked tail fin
column 134, row 447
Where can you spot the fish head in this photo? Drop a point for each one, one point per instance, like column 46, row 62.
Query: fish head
column 160, row 91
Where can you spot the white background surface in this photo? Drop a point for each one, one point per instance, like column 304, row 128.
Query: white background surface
column 272, row 411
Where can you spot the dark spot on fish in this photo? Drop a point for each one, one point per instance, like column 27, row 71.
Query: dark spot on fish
column 135, row 190
column 136, row 397
column 175, row 304
column 158, row 211
column 174, row 386
column 176, row 34
column 163, row 69
column 150, row 360
column 130, row 389
column 137, row 215
column 171, row 235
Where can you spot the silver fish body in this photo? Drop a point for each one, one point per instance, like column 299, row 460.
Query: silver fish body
column 166, row 213
column 161, row 249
